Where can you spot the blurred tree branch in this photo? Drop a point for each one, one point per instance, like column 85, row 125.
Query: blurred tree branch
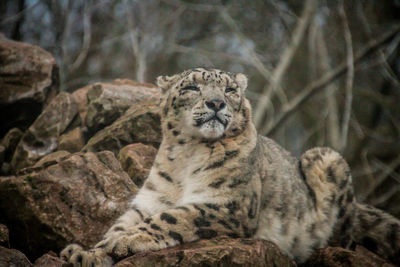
column 319, row 84
column 287, row 56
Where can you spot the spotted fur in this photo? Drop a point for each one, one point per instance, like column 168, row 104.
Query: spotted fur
column 213, row 175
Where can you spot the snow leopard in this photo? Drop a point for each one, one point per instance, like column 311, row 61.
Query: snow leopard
column 214, row 175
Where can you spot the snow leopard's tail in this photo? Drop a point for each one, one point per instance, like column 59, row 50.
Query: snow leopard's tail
column 378, row 231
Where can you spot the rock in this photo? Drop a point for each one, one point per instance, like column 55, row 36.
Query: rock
column 136, row 160
column 29, row 79
column 42, row 136
column 75, row 200
column 51, row 260
column 80, row 97
column 10, row 142
column 336, row 256
column 72, row 141
column 219, row 251
column 140, row 124
column 51, row 159
column 108, row 101
column 13, row 257
column 4, row 235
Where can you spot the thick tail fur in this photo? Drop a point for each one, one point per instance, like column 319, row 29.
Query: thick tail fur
column 378, row 231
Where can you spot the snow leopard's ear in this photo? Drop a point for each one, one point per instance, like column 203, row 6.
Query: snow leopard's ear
column 165, row 82
column 241, row 80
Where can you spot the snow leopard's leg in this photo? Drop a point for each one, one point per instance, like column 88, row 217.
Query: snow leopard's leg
column 329, row 179
column 183, row 224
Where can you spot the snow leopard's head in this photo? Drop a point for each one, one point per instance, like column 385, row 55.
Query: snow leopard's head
column 205, row 103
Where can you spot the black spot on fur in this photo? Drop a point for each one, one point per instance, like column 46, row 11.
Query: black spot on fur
column 201, row 222
column 217, row 183
column 200, row 209
column 176, row 236
column 155, row 227
column 143, row 229
column 147, row 220
column 216, row 164
column 206, row 233
column 169, row 126
column 168, row 218
column 212, row 206
column 118, row 229
column 231, row 154
column 196, row 171
column 232, row 207
column 165, row 176
column 236, row 181
column 331, row 175
column 181, row 141
column 225, row 224
column 175, row 132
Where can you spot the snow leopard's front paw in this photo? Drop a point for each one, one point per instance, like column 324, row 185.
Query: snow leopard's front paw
column 129, row 244
column 80, row 258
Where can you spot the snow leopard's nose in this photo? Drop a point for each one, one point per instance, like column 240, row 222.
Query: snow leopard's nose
column 216, row 104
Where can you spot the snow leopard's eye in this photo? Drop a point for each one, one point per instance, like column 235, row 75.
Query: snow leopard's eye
column 191, row 88
column 230, row 89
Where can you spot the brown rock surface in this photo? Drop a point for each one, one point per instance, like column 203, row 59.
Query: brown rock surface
column 51, row 260
column 42, row 136
column 80, row 97
column 10, row 142
column 336, row 256
column 75, row 200
column 13, row 257
column 219, row 251
column 29, row 78
column 108, row 101
column 72, row 141
column 136, row 160
column 140, row 124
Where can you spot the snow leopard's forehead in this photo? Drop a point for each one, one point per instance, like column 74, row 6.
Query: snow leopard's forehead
column 208, row 76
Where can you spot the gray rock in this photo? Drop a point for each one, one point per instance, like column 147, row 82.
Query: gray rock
column 74, row 200
column 108, row 101
column 42, row 136
column 140, row 124
column 136, row 160
column 29, row 79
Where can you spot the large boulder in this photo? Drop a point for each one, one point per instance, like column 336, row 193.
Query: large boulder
column 140, row 124
column 13, row 258
column 136, row 160
column 29, row 78
column 42, row 136
column 108, row 101
column 219, row 251
column 74, row 200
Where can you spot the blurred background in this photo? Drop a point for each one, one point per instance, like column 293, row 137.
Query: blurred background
column 321, row 73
